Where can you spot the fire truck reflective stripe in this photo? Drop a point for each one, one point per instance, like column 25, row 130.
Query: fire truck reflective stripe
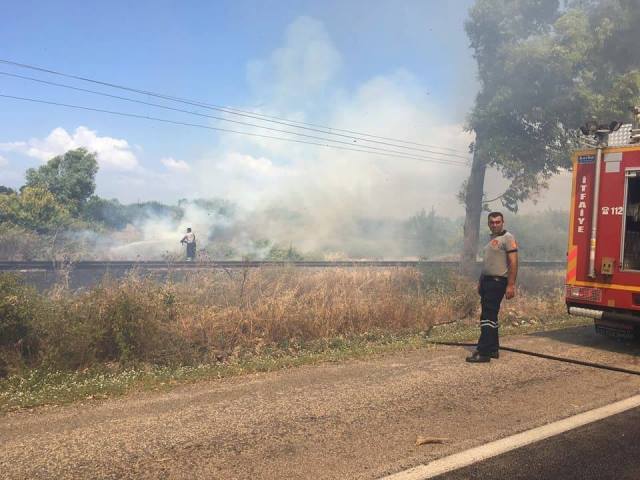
column 610, row 286
column 572, row 263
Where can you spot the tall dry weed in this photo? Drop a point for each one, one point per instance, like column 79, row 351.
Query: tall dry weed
column 263, row 306
column 210, row 315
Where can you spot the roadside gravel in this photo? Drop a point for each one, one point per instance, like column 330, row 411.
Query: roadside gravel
column 359, row 419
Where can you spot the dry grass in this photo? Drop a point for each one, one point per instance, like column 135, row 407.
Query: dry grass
column 211, row 316
column 258, row 307
column 536, row 281
column 143, row 333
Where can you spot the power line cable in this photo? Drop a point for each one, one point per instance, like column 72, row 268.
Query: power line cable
column 327, row 130
column 234, row 111
column 331, row 130
column 314, row 137
column 243, row 113
column 208, row 127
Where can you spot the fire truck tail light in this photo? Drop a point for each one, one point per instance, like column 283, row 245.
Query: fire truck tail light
column 588, row 294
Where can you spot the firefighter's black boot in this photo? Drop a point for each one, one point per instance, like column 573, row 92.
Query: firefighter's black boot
column 477, row 357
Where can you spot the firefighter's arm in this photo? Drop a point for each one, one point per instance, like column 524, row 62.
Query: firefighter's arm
column 512, row 258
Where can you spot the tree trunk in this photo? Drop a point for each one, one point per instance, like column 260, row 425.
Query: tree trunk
column 473, row 211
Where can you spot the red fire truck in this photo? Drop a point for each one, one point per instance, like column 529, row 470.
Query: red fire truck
column 603, row 256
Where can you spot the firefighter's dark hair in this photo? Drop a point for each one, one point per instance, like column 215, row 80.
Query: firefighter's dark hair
column 495, row 214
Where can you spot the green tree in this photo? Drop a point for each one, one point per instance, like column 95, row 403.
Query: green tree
column 34, row 208
column 429, row 234
column 543, row 69
column 281, row 254
column 110, row 213
column 69, row 177
column 541, row 236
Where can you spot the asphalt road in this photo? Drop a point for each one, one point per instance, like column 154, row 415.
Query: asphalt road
column 607, row 449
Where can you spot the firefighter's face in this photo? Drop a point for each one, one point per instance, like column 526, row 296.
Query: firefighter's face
column 496, row 224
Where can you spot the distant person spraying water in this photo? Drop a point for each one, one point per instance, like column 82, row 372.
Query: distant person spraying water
column 190, row 240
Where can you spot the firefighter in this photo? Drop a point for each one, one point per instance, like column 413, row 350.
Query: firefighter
column 497, row 280
column 190, row 241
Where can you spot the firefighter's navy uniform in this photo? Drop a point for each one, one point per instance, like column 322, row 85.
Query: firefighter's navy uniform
column 493, row 284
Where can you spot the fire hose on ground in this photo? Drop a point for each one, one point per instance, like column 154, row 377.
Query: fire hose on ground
column 546, row 356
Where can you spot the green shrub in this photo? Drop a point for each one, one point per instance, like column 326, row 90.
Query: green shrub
column 18, row 304
column 15, row 309
column 128, row 322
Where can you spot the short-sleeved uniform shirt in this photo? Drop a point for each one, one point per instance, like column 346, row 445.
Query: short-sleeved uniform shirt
column 495, row 254
column 190, row 237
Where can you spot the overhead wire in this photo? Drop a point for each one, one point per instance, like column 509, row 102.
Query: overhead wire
column 165, row 107
column 261, row 117
column 253, row 134
column 352, row 132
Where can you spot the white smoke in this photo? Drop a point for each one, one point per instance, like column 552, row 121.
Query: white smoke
column 315, row 198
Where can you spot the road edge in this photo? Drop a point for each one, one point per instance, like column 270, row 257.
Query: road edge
column 492, row 449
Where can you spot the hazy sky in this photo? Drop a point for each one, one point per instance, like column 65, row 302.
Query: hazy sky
column 398, row 69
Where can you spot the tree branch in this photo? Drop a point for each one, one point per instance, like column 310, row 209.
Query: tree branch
column 494, row 199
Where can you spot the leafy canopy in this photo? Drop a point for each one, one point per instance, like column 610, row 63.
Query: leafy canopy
column 34, row 208
column 69, row 177
column 544, row 69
